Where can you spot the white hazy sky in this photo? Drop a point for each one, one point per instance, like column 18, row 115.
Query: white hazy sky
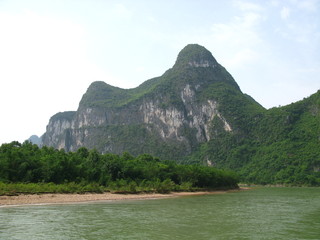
column 50, row 51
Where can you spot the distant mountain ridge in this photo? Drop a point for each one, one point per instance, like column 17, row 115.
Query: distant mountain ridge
column 35, row 140
column 196, row 113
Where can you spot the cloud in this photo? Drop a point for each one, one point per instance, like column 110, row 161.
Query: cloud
column 274, row 3
column 38, row 43
column 122, row 11
column 247, row 6
column 308, row 5
column 152, row 19
column 240, row 30
column 140, row 69
column 240, row 36
column 301, row 28
column 285, row 13
column 242, row 58
column 44, row 69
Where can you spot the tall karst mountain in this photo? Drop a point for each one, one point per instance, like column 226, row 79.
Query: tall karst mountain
column 169, row 116
column 196, row 113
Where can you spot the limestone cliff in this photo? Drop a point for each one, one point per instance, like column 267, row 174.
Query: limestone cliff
column 168, row 116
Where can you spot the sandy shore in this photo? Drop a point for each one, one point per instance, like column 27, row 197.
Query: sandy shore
column 89, row 197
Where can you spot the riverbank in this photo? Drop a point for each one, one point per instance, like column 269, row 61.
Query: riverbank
column 35, row 199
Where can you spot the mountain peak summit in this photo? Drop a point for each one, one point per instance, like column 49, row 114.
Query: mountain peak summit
column 195, row 55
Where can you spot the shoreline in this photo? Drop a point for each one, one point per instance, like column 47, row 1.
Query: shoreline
column 60, row 198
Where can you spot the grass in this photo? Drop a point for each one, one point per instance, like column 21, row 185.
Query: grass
column 12, row 189
column 167, row 186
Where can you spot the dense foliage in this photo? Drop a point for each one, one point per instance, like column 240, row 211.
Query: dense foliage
column 27, row 163
column 276, row 146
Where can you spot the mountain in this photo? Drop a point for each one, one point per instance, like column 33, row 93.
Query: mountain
column 35, row 140
column 196, row 113
column 167, row 116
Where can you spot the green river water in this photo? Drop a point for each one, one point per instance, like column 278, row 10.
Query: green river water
column 261, row 213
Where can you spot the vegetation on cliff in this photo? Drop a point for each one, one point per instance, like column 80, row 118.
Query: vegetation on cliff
column 277, row 146
column 87, row 170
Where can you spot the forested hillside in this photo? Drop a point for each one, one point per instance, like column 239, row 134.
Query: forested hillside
column 281, row 145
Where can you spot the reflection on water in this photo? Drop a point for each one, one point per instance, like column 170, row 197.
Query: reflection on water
column 263, row 213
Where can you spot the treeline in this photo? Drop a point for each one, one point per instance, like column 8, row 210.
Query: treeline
column 91, row 171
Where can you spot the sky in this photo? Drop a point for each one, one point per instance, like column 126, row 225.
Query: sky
column 50, row 51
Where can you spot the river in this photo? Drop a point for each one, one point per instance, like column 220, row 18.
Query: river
column 261, row 213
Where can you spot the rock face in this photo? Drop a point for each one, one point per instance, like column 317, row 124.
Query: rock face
column 168, row 116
